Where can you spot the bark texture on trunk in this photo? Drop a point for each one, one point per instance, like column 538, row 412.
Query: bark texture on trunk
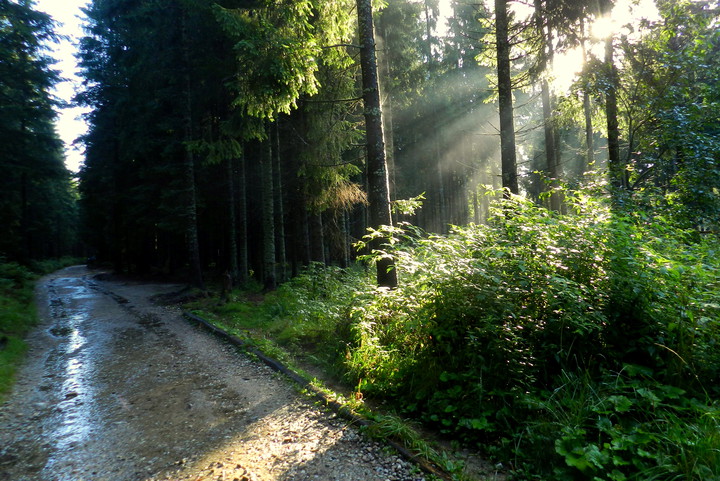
column 268, row 218
column 507, row 125
column 377, row 174
column 618, row 177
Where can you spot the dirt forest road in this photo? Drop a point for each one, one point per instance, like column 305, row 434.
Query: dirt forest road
column 117, row 388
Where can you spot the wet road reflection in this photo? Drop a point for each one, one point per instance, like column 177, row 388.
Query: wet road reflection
column 63, row 418
column 118, row 388
column 72, row 421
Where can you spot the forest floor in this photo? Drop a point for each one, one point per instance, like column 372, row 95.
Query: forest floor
column 118, row 388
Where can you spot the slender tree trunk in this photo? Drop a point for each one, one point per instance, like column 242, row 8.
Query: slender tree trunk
column 507, row 126
column 615, row 167
column 317, row 238
column 551, row 149
column 346, row 238
column 26, row 250
column 242, row 230
column 191, row 231
column 116, row 237
column 442, row 218
column 476, row 207
column 268, row 217
column 428, row 32
column 387, row 118
column 378, row 184
column 589, row 138
column 279, row 209
column 306, row 244
column 232, row 220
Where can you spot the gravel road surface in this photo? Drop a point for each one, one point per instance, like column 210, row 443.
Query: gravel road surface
column 117, row 388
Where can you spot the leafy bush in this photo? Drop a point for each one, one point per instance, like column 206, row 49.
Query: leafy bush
column 627, row 426
column 307, row 313
column 577, row 346
column 492, row 318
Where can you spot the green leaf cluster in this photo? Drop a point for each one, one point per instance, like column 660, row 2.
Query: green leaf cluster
column 279, row 48
column 498, row 328
column 575, row 346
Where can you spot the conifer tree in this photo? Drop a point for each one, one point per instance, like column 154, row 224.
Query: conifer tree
column 36, row 204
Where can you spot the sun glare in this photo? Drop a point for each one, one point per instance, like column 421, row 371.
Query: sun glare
column 626, row 12
column 567, row 65
column 603, row 28
column 565, row 68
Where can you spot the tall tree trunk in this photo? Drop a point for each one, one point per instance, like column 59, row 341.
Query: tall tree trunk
column 279, row 209
column 190, row 208
column 345, row 238
column 317, row 238
column 441, row 216
column 242, row 231
column 268, row 217
column 387, row 118
column 551, row 148
column 589, row 138
column 232, row 220
column 476, row 207
column 26, row 250
column 507, row 127
column 378, row 184
column 306, row 244
column 618, row 177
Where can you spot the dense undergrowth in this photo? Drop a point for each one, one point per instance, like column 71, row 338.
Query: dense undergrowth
column 17, row 311
column 570, row 347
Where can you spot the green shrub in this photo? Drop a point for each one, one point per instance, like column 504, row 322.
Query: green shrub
column 576, row 346
column 491, row 319
column 625, row 426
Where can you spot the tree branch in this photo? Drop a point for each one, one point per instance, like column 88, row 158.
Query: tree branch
column 348, row 45
column 336, row 101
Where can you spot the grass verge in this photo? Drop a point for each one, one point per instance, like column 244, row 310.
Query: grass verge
column 17, row 312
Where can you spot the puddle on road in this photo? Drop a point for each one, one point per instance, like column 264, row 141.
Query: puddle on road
column 113, row 396
column 75, row 414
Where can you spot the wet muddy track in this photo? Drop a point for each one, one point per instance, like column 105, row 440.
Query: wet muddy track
column 118, row 388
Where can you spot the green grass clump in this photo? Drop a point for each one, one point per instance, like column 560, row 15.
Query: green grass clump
column 304, row 316
column 17, row 316
column 17, row 311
